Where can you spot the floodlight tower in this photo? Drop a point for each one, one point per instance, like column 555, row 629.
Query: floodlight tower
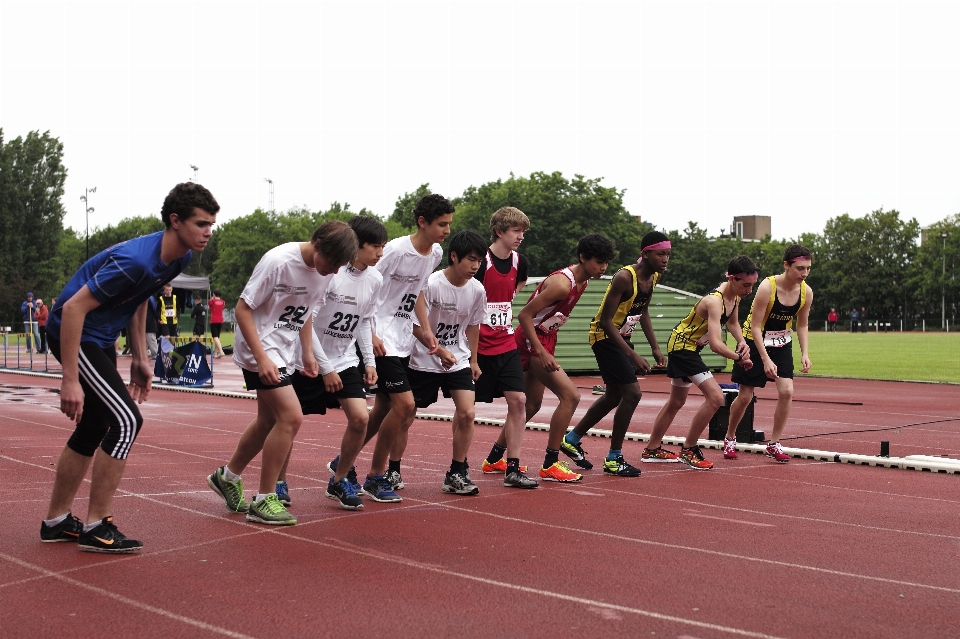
column 89, row 209
column 270, row 182
column 943, row 284
column 196, row 172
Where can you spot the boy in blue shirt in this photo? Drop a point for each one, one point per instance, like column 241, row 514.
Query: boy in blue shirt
column 108, row 293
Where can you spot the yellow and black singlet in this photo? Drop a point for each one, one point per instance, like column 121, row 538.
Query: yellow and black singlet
column 776, row 328
column 168, row 310
column 690, row 334
column 629, row 311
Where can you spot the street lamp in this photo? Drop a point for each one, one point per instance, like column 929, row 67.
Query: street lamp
column 196, row 172
column 89, row 209
column 270, row 182
column 943, row 282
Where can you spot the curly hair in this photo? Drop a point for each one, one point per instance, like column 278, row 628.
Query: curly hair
column 505, row 218
column 596, row 246
column 465, row 244
column 336, row 241
column 742, row 265
column 430, row 207
column 795, row 252
column 184, row 198
column 369, row 230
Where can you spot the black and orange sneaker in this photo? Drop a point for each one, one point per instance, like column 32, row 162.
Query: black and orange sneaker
column 106, row 538
column 67, row 530
column 693, row 457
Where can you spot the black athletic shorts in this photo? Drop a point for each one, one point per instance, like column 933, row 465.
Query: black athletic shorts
column 615, row 366
column 684, row 365
column 314, row 398
column 781, row 356
column 252, row 380
column 215, row 330
column 392, row 374
column 426, row 386
column 501, row 373
column 110, row 419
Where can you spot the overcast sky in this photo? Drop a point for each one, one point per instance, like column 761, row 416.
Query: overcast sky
column 699, row 110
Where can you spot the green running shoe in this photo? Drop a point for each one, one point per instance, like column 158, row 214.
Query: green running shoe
column 230, row 491
column 269, row 510
column 620, row 468
column 576, row 453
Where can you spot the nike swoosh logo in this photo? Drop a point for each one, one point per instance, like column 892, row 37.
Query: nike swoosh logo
column 71, row 534
column 104, row 541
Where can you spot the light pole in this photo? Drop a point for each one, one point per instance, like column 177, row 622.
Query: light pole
column 89, row 209
column 270, row 182
column 943, row 284
column 196, row 173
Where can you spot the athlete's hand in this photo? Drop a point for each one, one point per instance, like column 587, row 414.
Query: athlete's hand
column 378, row 349
column 475, row 370
column 661, row 360
column 548, row 361
column 770, row 369
column 369, row 375
column 71, row 400
column 447, row 359
column 332, row 382
column 640, row 365
column 430, row 341
column 310, row 367
column 141, row 379
column 268, row 372
column 805, row 364
column 745, row 363
column 743, row 350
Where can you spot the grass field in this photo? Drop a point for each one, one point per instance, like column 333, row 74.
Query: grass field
column 932, row 357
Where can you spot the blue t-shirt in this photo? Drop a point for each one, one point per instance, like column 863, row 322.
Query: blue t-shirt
column 120, row 278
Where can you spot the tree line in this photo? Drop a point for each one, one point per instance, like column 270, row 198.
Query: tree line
column 874, row 261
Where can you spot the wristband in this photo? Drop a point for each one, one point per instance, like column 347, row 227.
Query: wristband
column 739, row 357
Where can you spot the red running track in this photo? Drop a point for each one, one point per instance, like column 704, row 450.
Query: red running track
column 752, row 548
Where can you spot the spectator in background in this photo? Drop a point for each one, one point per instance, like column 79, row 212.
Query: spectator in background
column 854, row 319
column 216, row 305
column 40, row 314
column 863, row 319
column 832, row 320
column 28, row 309
column 199, row 317
column 168, row 315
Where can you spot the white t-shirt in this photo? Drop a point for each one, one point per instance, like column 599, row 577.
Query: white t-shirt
column 344, row 317
column 450, row 309
column 405, row 274
column 281, row 292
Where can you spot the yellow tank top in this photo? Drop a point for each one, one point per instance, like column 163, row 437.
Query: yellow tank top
column 629, row 311
column 689, row 334
column 778, row 316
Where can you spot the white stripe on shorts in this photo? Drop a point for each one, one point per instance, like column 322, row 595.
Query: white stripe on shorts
column 123, row 414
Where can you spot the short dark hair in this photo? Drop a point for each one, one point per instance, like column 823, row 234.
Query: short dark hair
column 795, row 251
column 596, row 246
column 185, row 197
column 742, row 265
column 653, row 237
column 369, row 229
column 465, row 244
column 197, row 296
column 336, row 241
column 430, row 207
column 216, row 292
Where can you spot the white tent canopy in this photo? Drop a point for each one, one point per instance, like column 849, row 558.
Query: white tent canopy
column 191, row 282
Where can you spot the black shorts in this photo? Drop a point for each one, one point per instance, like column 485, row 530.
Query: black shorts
column 314, row 398
column 426, row 386
column 684, row 365
column 169, row 330
column 392, row 374
column 501, row 373
column 110, row 417
column 252, row 380
column 755, row 377
column 615, row 366
column 215, row 330
column 199, row 330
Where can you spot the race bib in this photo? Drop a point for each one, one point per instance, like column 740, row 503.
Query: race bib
column 776, row 339
column 629, row 325
column 168, row 312
column 553, row 324
column 499, row 315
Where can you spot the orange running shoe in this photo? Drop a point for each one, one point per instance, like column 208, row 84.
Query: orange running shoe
column 497, row 467
column 693, row 457
column 559, row 471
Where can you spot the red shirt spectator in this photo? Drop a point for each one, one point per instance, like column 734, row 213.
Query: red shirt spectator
column 216, row 305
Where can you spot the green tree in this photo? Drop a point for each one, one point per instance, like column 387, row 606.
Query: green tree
column 934, row 276
column 401, row 221
column 32, row 175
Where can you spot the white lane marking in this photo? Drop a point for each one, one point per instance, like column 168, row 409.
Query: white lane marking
column 586, row 493
column 127, row 600
column 693, row 513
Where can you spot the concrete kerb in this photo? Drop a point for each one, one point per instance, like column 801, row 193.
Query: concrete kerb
column 925, row 463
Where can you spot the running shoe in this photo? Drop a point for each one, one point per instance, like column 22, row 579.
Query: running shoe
column 393, row 476
column 776, row 451
column 693, row 457
column 230, row 491
column 516, row 479
column 351, row 474
column 379, row 489
column 67, row 530
column 620, row 468
column 729, row 448
column 343, row 492
column 106, row 538
column 283, row 493
column 560, row 472
column 270, row 511
column 659, row 455
column 496, row 467
column 576, row 453
column 459, row 484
